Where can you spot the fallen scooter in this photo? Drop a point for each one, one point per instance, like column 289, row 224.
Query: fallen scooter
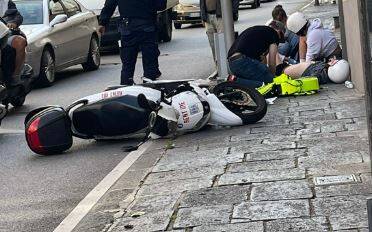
column 153, row 110
column 14, row 94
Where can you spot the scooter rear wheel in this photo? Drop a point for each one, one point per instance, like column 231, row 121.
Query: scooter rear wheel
column 245, row 102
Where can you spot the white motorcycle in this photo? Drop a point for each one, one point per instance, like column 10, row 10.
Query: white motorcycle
column 152, row 110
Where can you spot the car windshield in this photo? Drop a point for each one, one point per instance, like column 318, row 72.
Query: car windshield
column 32, row 11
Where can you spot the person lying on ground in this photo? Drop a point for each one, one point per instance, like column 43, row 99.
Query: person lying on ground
column 335, row 71
column 248, row 55
column 317, row 43
column 288, row 50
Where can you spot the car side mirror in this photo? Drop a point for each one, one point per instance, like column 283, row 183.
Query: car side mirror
column 58, row 19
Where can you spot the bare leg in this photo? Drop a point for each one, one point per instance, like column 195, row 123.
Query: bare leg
column 296, row 71
column 19, row 44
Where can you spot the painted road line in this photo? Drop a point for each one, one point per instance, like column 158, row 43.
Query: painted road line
column 11, row 131
column 307, row 5
column 83, row 208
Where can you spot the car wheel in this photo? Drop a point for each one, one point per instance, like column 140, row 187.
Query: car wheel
column 177, row 25
column 94, row 56
column 47, row 68
column 166, row 34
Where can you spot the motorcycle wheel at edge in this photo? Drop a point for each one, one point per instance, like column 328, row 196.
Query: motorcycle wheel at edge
column 245, row 102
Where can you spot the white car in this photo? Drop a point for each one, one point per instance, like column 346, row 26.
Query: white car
column 60, row 34
column 254, row 3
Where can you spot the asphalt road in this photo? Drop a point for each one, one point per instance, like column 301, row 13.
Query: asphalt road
column 38, row 192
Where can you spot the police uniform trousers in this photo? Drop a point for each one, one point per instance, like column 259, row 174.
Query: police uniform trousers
column 139, row 35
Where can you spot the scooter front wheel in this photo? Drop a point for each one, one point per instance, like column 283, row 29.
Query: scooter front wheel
column 245, row 102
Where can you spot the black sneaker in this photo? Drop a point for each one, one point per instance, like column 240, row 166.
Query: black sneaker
column 128, row 82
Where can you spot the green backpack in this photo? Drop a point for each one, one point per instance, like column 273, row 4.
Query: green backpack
column 283, row 85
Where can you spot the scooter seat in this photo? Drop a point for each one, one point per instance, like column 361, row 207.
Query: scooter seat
column 111, row 117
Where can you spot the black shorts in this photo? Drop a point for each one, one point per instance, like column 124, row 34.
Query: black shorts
column 318, row 70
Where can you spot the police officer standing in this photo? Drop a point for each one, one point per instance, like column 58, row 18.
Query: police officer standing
column 138, row 31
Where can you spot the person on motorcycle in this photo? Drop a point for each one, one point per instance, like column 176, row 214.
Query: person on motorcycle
column 17, row 40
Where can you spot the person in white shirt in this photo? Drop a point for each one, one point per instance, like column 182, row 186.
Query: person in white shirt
column 319, row 43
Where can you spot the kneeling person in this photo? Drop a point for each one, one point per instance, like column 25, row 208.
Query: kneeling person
column 248, row 55
column 317, row 43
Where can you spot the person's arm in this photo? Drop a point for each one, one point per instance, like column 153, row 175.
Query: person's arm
column 314, row 47
column 161, row 5
column 302, row 49
column 273, row 51
column 107, row 11
column 12, row 16
column 203, row 11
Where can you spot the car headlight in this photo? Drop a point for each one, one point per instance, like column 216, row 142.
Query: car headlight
column 180, row 7
column 183, row 7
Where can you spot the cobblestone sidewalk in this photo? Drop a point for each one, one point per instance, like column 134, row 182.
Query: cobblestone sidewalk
column 263, row 177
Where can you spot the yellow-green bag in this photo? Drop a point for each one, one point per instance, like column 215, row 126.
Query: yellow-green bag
column 283, row 85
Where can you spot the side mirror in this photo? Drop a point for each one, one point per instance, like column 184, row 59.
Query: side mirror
column 58, row 19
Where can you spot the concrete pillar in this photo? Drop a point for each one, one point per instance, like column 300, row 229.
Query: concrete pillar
column 353, row 36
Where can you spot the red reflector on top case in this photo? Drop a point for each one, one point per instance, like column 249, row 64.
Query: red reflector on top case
column 33, row 138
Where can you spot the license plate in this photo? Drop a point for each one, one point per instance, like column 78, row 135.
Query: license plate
column 194, row 14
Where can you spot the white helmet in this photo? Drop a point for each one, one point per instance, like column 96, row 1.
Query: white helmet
column 339, row 72
column 296, row 22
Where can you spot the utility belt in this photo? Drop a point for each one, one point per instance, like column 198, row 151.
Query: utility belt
column 126, row 21
column 236, row 56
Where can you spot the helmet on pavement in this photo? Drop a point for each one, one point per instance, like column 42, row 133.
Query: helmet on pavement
column 339, row 72
column 296, row 22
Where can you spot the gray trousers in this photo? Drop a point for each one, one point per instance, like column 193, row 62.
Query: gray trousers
column 213, row 25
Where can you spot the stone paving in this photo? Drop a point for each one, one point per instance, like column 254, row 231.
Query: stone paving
column 261, row 177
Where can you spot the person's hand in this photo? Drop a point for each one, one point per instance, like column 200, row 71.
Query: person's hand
column 332, row 61
column 12, row 26
column 102, row 30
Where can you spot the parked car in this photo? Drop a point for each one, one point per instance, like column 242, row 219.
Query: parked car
column 60, row 34
column 188, row 12
column 112, row 36
column 253, row 3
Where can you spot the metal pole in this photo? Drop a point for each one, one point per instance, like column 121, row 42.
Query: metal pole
column 369, row 213
column 342, row 24
column 365, row 34
column 228, row 22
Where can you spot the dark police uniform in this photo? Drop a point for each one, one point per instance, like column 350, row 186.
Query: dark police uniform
column 138, row 33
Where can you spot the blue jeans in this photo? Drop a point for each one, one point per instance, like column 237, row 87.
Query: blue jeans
column 251, row 72
column 290, row 47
